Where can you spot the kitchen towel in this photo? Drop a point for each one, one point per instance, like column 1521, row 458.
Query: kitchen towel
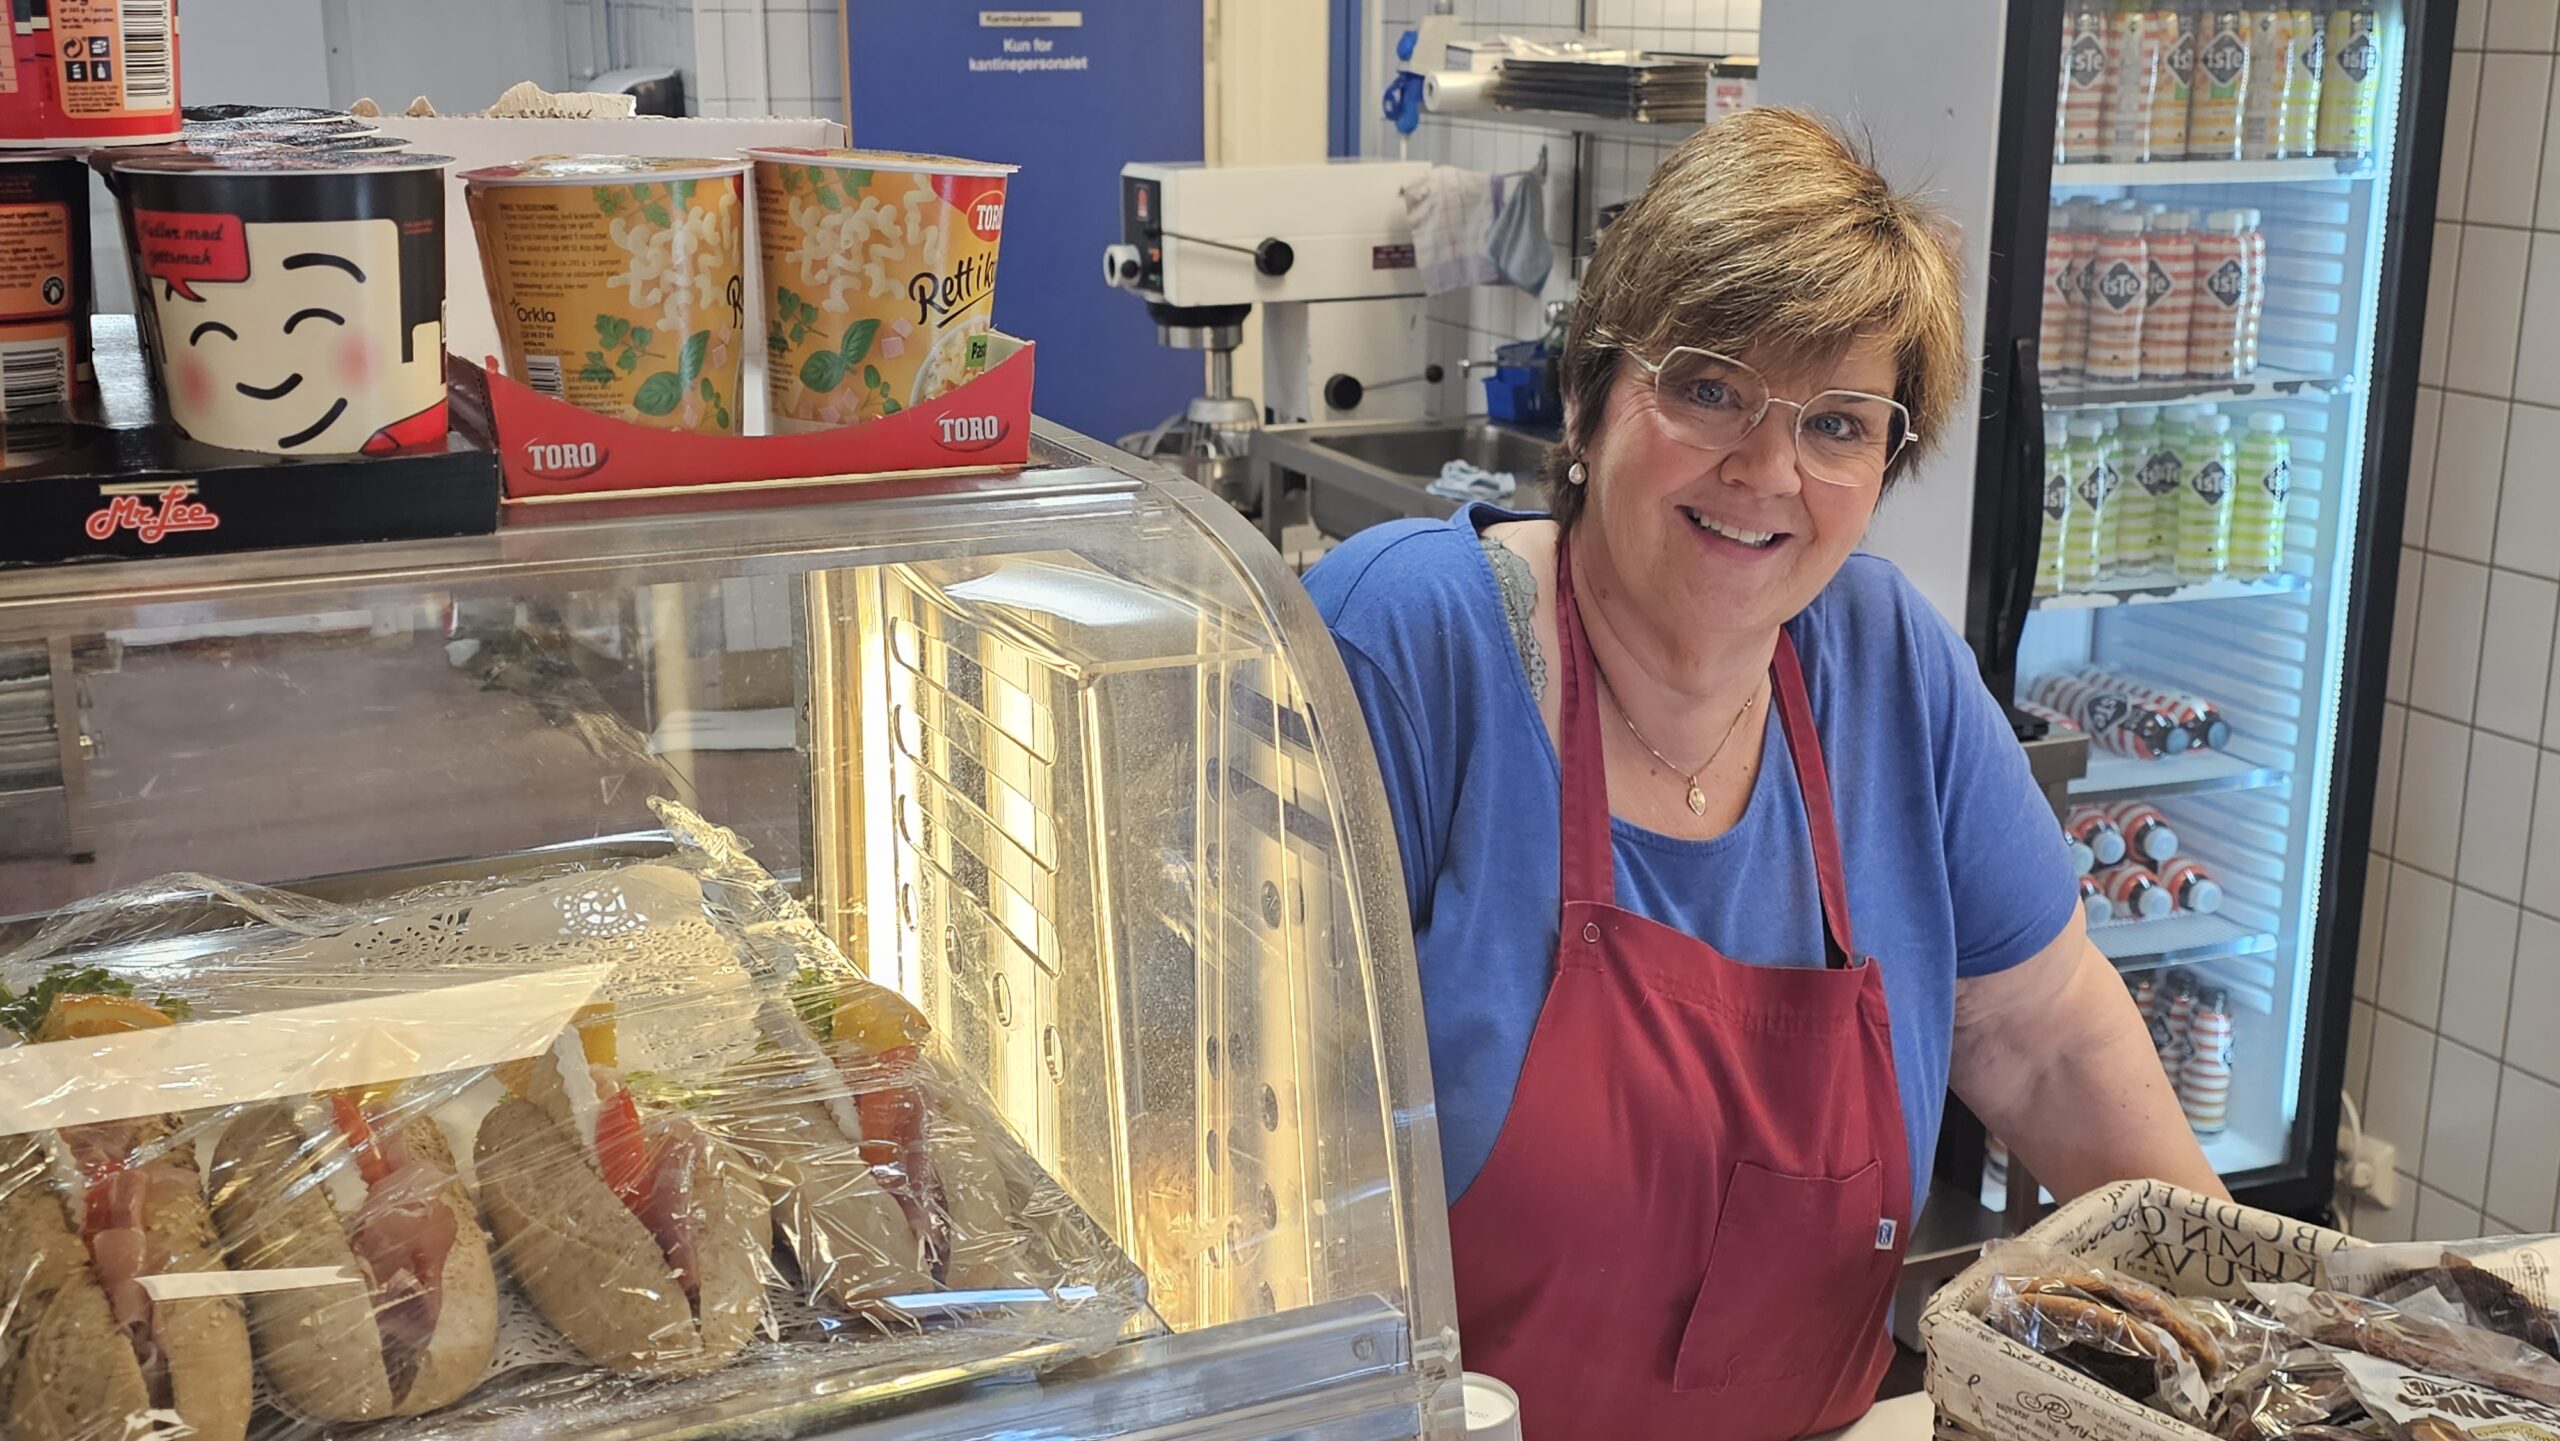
column 1452, row 211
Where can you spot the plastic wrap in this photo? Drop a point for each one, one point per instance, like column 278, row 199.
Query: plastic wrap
column 632, row 1144
column 2108, row 1325
column 2500, row 1283
column 2414, row 1405
column 2283, row 1395
column 2413, row 1340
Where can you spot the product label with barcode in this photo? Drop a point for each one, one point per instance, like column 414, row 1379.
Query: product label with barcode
column 35, row 375
column 542, row 373
column 114, row 58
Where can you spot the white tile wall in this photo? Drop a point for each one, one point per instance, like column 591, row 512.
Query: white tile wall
column 2455, row 1041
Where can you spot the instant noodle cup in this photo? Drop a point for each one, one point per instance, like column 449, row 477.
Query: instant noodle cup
column 91, row 72
column 293, row 299
column 619, row 283
column 45, row 286
column 879, row 278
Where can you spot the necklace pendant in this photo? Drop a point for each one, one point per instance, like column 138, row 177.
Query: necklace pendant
column 1697, row 800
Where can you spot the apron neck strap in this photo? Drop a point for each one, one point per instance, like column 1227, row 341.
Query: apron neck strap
column 1589, row 873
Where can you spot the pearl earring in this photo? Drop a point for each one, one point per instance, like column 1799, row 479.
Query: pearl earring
column 1577, row 473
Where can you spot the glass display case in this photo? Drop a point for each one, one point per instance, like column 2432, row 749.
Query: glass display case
column 1064, row 757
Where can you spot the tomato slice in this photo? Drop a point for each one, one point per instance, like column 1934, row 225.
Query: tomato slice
column 621, row 1153
column 359, row 1133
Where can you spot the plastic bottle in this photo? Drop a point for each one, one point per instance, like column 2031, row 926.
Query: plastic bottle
column 2177, row 74
column 2352, row 78
column 2057, row 354
column 2204, row 507
column 2088, row 219
column 2148, row 840
column 2162, row 477
column 2168, row 317
column 2222, row 294
column 2274, row 69
column 2084, row 83
column 2092, row 478
column 2093, row 828
column 2258, row 505
column 2113, row 722
column 2302, row 96
column 2220, row 87
column 2136, row 893
column 2120, row 286
column 2253, row 306
column 2058, row 460
column 2130, row 511
column 2204, row 1082
column 2192, row 886
column 2094, row 902
column 2134, row 37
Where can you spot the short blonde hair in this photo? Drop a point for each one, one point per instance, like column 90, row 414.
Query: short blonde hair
column 1768, row 232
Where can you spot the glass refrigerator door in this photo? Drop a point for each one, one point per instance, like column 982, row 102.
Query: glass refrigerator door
column 2208, row 367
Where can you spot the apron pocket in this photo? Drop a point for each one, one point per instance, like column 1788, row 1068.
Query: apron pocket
column 1790, row 1280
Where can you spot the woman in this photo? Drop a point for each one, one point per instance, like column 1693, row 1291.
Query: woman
column 1690, row 1077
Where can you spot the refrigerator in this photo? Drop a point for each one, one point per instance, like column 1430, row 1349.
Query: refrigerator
column 2230, row 667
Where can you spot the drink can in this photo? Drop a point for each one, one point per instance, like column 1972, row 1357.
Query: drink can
column 2273, row 72
column 2146, row 832
column 2302, row 96
column 2192, row 886
column 2120, row 285
column 2258, row 506
column 2204, row 507
column 2084, row 85
column 2094, row 828
column 2134, row 39
column 2129, row 510
column 2094, row 903
column 2221, row 86
column 2168, row 318
column 2059, row 458
column 2352, row 79
column 2177, row 73
column 2092, row 480
column 2136, row 893
column 2222, row 297
column 92, row 74
column 2053, row 333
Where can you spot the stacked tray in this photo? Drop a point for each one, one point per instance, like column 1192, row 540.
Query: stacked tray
column 1651, row 86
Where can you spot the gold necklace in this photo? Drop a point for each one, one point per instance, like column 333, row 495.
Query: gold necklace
column 1697, row 797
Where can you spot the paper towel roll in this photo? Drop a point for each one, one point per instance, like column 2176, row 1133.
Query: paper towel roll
column 1455, row 92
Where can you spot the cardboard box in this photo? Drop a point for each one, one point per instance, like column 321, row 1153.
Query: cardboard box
column 475, row 141
column 2186, row 1243
column 551, row 450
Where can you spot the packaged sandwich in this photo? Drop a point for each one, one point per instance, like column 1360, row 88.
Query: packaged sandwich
column 115, row 1319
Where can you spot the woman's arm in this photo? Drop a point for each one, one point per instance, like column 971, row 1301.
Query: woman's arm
column 2053, row 1057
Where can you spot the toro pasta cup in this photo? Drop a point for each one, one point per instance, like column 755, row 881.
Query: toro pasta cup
column 879, row 275
column 619, row 283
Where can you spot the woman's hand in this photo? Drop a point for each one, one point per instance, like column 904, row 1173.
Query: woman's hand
column 2053, row 1057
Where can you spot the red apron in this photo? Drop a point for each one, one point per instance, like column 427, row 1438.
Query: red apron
column 1692, row 1220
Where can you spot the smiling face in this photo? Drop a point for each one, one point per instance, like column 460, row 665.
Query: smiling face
column 1739, row 538
column 306, row 355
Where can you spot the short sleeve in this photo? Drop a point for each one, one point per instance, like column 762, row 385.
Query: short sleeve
column 1403, row 764
column 2009, row 872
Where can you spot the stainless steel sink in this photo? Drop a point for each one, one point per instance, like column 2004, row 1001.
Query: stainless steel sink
column 1346, row 478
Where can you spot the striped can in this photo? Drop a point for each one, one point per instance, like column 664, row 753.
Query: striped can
column 2258, row 505
column 2093, row 480
column 2204, row 507
column 2350, row 82
column 2169, row 316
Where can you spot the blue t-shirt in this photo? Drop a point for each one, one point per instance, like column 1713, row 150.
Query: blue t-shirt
column 1955, row 864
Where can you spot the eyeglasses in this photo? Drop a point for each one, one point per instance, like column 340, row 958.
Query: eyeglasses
column 1714, row 402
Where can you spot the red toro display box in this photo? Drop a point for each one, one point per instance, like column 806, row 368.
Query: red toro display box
column 550, row 450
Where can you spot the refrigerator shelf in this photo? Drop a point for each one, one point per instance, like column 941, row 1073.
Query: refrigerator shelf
column 2193, row 774
column 2209, row 172
column 2152, row 588
column 2177, row 940
column 2267, row 384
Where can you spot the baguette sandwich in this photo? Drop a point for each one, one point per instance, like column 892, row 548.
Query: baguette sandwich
column 357, row 1184
column 640, row 1236
column 88, row 1213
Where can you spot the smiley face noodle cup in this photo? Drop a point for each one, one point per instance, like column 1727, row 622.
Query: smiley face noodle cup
column 295, row 300
column 619, row 283
column 879, row 279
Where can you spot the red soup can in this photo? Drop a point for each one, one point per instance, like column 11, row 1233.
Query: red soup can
column 91, row 72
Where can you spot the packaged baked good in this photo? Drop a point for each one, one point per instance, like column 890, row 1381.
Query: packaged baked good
column 2285, row 1395
column 2114, row 1328
column 2422, row 1342
column 2501, row 1283
column 2416, row 1405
